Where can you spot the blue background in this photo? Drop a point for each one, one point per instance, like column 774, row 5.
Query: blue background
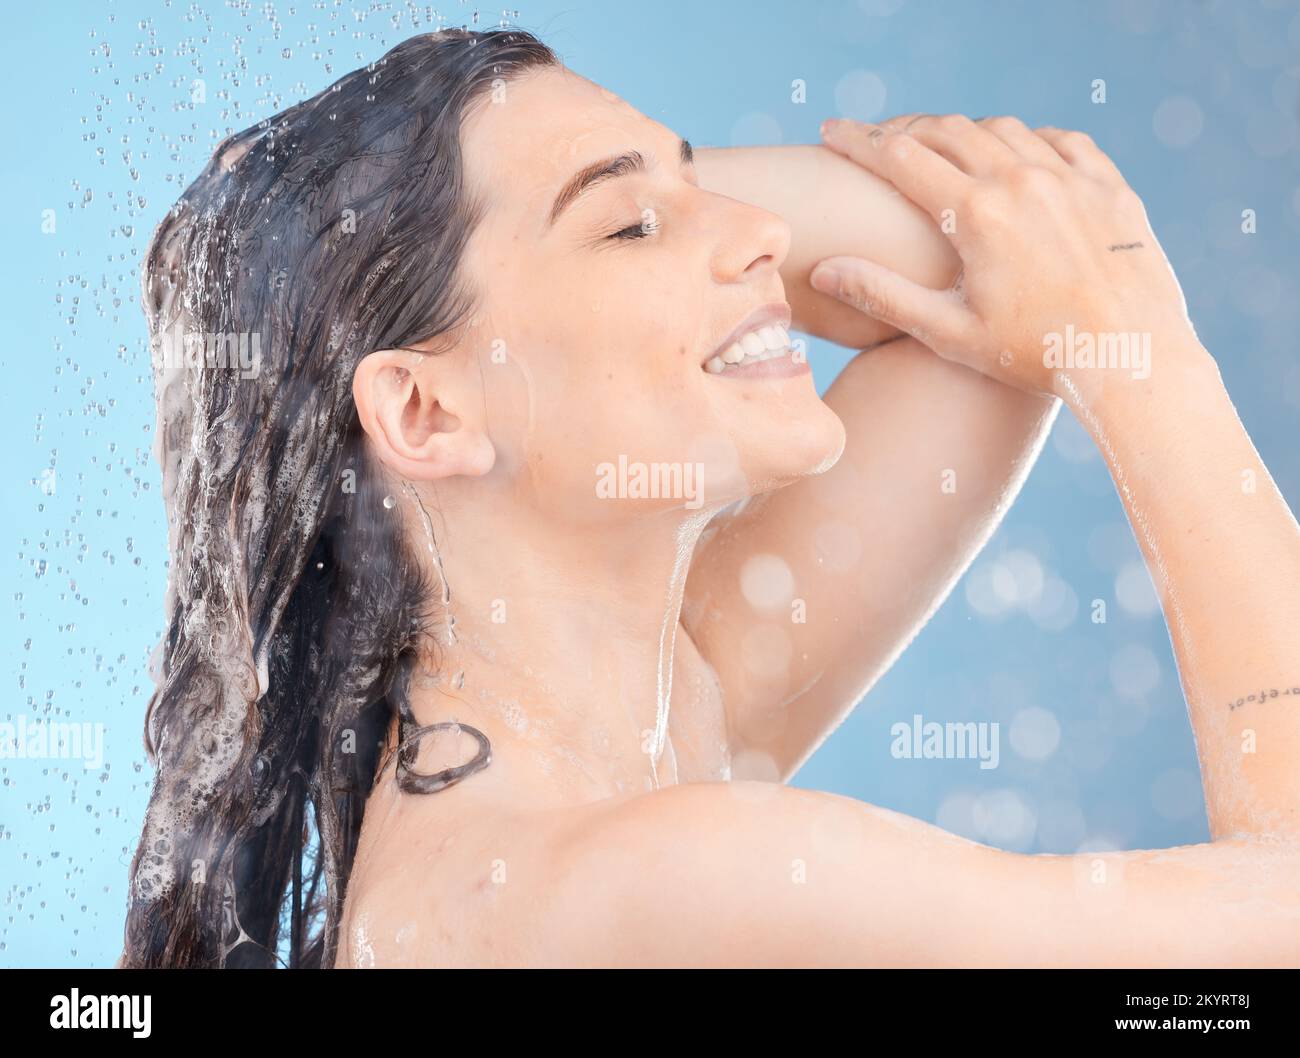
column 1096, row 750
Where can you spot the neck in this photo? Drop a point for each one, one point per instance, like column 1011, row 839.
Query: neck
column 558, row 640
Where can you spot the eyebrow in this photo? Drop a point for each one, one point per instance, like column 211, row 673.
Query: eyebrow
column 608, row 169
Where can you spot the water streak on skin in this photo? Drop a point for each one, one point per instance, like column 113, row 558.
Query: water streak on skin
column 363, row 948
column 687, row 536
column 529, row 426
column 432, row 544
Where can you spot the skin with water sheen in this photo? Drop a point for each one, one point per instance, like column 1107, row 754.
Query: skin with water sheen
column 633, row 661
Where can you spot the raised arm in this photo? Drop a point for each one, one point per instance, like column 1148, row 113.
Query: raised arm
column 1100, row 320
column 935, row 453
column 1224, row 551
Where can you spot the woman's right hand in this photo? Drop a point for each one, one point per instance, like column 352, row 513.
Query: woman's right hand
column 1055, row 246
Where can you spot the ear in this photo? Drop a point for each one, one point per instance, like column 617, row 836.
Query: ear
column 422, row 415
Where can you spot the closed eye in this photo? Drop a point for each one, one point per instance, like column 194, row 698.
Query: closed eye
column 639, row 230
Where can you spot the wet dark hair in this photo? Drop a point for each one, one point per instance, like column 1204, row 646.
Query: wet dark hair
column 295, row 610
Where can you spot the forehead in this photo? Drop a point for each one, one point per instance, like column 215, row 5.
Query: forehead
column 524, row 140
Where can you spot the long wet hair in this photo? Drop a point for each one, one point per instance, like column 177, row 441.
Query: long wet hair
column 295, row 610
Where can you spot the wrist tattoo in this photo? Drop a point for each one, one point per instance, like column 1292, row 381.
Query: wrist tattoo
column 1263, row 695
column 1125, row 246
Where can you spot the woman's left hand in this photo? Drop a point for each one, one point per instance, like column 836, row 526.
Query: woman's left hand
column 1053, row 242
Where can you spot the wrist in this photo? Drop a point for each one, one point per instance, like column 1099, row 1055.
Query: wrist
column 1147, row 374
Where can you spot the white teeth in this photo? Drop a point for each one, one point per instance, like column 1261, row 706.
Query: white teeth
column 752, row 344
column 765, row 343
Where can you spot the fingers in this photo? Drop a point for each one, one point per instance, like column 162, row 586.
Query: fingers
column 1079, row 151
column 974, row 149
column 970, row 147
column 1021, row 139
column 936, row 318
column 928, row 179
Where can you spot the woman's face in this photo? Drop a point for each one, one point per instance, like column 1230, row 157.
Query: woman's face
column 598, row 316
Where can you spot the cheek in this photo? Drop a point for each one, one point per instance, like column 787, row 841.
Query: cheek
column 617, row 352
column 603, row 353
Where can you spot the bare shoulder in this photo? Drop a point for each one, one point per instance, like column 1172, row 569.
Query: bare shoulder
column 446, row 881
column 744, row 874
column 680, row 876
column 762, row 874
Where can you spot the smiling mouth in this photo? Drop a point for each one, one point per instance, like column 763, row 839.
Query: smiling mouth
column 768, row 342
column 758, row 346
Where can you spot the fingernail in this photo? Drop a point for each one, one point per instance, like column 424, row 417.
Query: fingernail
column 826, row 279
column 830, row 127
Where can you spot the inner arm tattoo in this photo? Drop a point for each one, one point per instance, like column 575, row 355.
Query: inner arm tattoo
column 1125, row 246
column 1262, row 695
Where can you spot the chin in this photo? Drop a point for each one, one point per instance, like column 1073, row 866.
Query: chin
column 754, row 450
column 806, row 449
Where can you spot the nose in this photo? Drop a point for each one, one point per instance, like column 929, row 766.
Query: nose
column 753, row 244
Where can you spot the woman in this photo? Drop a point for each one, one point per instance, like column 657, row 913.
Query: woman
column 532, row 538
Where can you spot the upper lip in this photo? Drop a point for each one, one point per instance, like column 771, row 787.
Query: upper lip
column 765, row 315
